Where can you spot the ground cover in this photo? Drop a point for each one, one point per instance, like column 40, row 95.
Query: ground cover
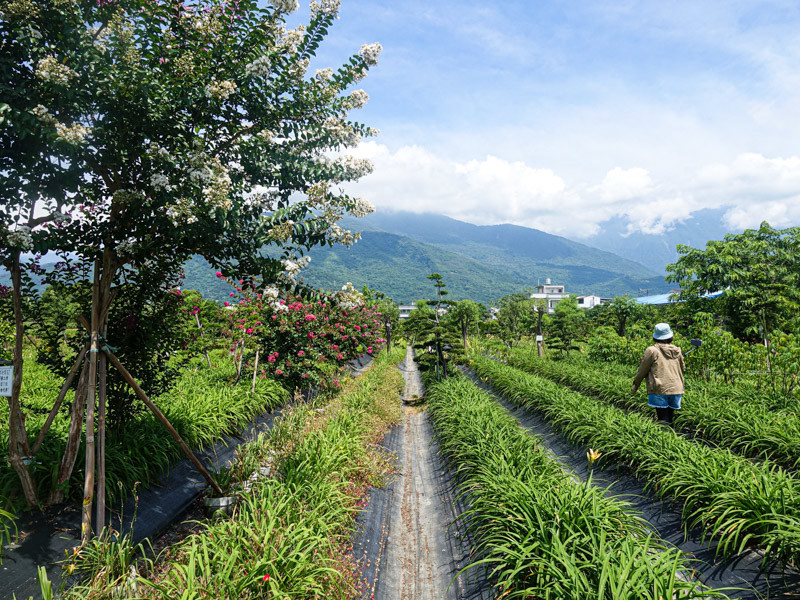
column 289, row 536
column 203, row 406
column 721, row 417
column 541, row 532
column 738, row 502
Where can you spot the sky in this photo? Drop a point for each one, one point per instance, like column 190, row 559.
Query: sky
column 561, row 115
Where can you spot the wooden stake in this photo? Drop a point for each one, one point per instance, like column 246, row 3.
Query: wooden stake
column 255, row 372
column 100, row 511
column 61, row 395
column 160, row 416
column 88, row 486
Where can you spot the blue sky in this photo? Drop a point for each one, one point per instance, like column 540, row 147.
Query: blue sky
column 561, row 115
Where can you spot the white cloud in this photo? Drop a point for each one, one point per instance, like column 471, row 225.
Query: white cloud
column 493, row 190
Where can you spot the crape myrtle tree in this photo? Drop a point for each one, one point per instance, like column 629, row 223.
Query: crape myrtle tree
column 140, row 132
column 759, row 272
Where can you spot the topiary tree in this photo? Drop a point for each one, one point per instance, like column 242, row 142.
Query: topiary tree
column 136, row 131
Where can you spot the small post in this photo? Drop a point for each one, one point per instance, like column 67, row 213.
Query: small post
column 255, row 372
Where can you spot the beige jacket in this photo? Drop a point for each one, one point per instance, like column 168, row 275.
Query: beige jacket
column 662, row 365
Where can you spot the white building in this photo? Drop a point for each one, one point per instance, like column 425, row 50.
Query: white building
column 591, row 301
column 552, row 293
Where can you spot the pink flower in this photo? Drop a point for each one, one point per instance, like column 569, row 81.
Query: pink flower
column 231, row 294
column 369, row 350
column 310, row 335
column 226, row 303
column 219, row 273
column 311, row 318
column 304, row 376
column 250, row 330
column 301, row 353
column 266, row 577
column 278, row 372
column 271, row 358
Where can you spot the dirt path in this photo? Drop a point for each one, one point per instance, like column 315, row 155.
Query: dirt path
column 417, row 550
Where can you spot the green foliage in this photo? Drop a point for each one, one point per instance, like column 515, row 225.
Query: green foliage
column 734, row 500
column 759, row 271
column 566, row 326
column 465, row 315
column 539, row 531
column 514, row 318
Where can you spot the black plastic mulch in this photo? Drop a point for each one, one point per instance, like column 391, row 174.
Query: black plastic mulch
column 45, row 536
column 742, row 571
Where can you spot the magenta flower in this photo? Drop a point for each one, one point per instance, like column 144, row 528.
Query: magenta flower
column 219, row 273
column 278, row 372
column 231, row 294
column 226, row 303
column 301, row 353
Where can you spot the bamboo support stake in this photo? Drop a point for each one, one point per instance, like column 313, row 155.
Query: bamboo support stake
column 255, row 372
column 100, row 512
column 88, row 486
column 160, row 416
column 61, row 395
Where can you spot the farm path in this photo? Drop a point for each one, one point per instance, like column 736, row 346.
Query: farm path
column 417, row 551
column 742, row 571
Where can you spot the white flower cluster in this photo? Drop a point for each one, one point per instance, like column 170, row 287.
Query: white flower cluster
column 349, row 297
column 293, row 267
column 271, row 292
column 361, row 207
column 357, row 99
column 265, row 135
column 285, row 7
column 217, row 193
column 338, row 235
column 181, row 213
column 354, row 168
column 220, row 90
column 160, row 182
column 298, row 69
column 258, row 68
column 126, row 247
column 292, row 38
column 341, row 133
column 50, row 70
column 325, row 7
column 159, row 152
column 325, row 74
column 20, row 238
column 370, row 53
column 318, row 193
column 72, row 134
column 41, row 113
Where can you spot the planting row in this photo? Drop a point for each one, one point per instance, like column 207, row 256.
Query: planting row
column 720, row 419
column 733, row 500
column 540, row 532
column 290, row 534
column 203, row 406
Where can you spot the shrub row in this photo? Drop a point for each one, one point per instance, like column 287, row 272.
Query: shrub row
column 735, row 501
column 541, row 533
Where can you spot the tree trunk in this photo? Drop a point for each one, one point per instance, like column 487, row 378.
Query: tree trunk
column 202, row 335
column 18, row 449
column 61, row 395
column 58, row 492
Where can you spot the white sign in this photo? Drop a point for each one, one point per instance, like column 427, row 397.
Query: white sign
column 539, row 338
column 6, row 378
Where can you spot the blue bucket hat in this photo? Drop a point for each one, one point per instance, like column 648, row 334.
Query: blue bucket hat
column 662, row 332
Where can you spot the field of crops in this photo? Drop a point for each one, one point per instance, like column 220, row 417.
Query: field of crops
column 725, row 416
column 739, row 502
column 541, row 533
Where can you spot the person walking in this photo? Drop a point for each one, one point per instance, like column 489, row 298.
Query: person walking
column 662, row 365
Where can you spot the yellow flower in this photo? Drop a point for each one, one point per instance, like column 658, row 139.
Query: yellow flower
column 592, row 455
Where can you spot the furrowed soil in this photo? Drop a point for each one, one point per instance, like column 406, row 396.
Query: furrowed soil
column 412, row 548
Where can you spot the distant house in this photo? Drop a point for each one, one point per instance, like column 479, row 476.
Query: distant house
column 405, row 310
column 591, row 301
column 552, row 293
